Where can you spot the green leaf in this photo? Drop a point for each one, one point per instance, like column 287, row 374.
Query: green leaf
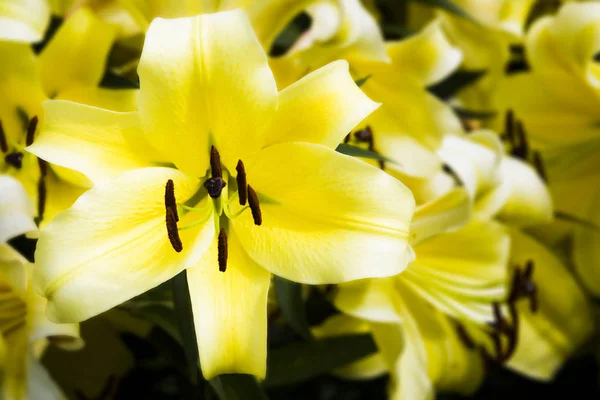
column 300, row 361
column 289, row 297
column 185, row 320
column 455, row 83
column 356, row 151
column 362, row 81
column 237, row 387
column 159, row 315
column 576, row 220
column 448, row 5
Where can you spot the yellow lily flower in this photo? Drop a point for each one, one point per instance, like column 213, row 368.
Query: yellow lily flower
column 564, row 319
column 484, row 41
column 16, row 210
column 560, row 94
column 69, row 67
column 24, row 20
column 25, row 332
column 502, row 186
column 410, row 314
column 258, row 189
column 411, row 123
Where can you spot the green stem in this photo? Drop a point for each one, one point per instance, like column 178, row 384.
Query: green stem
column 185, row 320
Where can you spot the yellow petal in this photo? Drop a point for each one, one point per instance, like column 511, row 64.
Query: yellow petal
column 369, row 299
column 24, row 20
column 112, row 99
column 427, row 57
column 586, row 251
column 367, row 367
column 320, row 108
column 402, row 347
column 458, row 278
column 205, row 78
column 77, row 53
column 96, row 142
column 20, row 88
column 522, row 198
column 564, row 320
column 65, row 336
column 446, row 213
column 475, row 159
column 333, row 218
column 114, row 244
column 16, row 210
column 230, row 312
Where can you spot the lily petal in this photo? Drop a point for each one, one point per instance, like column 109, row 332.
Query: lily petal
column 77, row 53
column 332, row 219
column 96, row 142
column 458, row 278
column 114, row 244
column 564, row 319
column 320, row 108
column 122, row 100
column 230, row 312
column 369, row 299
column 16, row 210
column 427, row 57
column 446, row 213
column 521, row 198
column 205, row 78
column 24, row 20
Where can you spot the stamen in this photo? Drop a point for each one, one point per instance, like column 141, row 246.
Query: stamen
column 365, row 136
column 42, row 194
column 538, row 164
column 170, row 201
column 15, row 159
column 222, row 250
column 214, row 186
column 172, row 231
column 43, row 165
column 241, row 182
column 509, row 123
column 31, row 130
column 464, row 337
column 3, row 144
column 254, row 206
column 215, row 163
column 521, row 147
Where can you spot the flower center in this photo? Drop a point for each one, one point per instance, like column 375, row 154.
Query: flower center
column 214, row 188
column 13, row 310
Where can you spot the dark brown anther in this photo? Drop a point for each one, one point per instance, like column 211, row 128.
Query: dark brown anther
column 31, row 127
column 509, row 123
column 215, row 163
column 515, row 286
column 172, row 231
column 222, row 250
column 464, row 337
column 365, row 136
column 43, row 166
column 214, row 186
column 254, row 206
column 15, row 159
column 529, row 288
column 521, row 147
column 538, row 164
column 241, row 182
column 170, row 201
column 42, row 194
column 3, row 143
